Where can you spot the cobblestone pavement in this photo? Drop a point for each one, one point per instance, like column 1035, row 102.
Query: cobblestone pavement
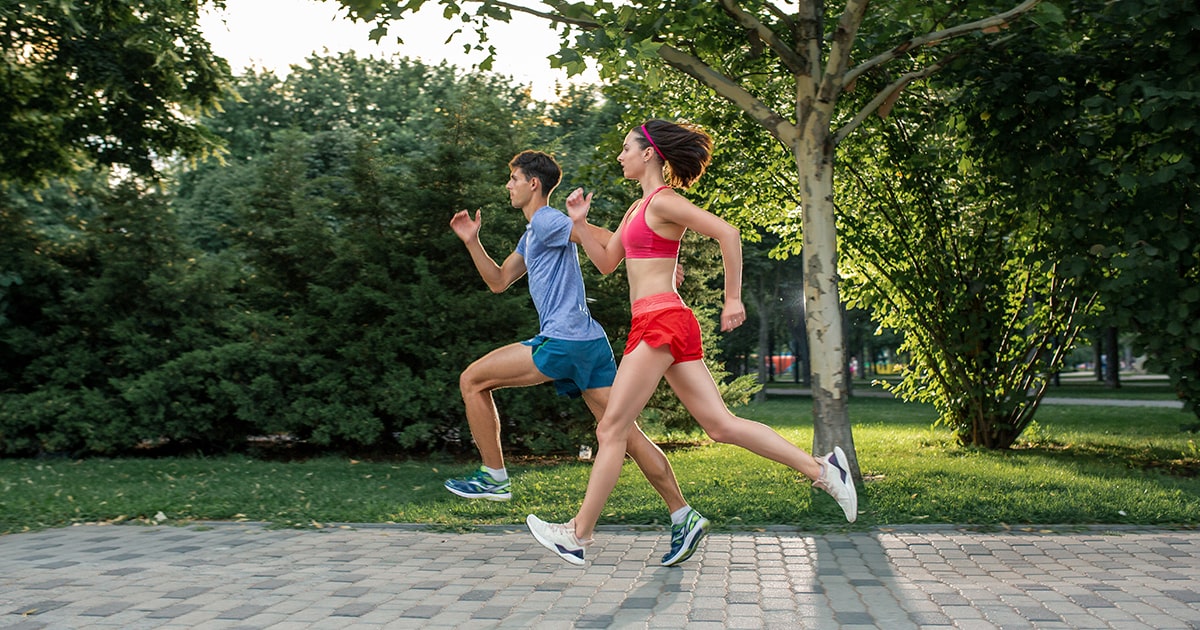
column 250, row 576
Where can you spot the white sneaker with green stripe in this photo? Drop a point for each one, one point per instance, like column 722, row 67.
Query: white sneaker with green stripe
column 685, row 537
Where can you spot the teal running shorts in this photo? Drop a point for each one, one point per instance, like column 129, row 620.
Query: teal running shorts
column 574, row 366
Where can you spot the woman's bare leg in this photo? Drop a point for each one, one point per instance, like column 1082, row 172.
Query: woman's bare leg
column 648, row 456
column 694, row 385
column 637, row 378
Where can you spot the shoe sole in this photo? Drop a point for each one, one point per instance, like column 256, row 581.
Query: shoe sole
column 689, row 546
column 490, row 497
column 552, row 546
column 852, row 513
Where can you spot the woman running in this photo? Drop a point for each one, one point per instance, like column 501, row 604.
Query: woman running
column 664, row 337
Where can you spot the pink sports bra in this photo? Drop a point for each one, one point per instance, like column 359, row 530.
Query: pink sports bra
column 642, row 242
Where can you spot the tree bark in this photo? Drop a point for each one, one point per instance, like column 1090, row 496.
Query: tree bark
column 1112, row 350
column 764, row 323
column 823, row 310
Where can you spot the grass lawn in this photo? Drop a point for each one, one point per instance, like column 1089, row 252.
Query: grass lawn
column 1072, row 385
column 1080, row 465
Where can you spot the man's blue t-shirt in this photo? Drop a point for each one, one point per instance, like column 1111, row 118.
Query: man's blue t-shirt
column 555, row 282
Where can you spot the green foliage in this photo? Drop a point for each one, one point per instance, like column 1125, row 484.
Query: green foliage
column 1102, row 110
column 950, row 255
column 102, row 83
column 106, row 296
column 308, row 286
column 363, row 286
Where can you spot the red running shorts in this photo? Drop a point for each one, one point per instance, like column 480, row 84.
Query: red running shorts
column 663, row 320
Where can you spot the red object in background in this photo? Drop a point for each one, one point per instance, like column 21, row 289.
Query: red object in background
column 782, row 364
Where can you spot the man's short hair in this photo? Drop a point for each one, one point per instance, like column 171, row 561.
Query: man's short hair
column 540, row 165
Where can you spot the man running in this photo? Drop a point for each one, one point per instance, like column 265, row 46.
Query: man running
column 571, row 348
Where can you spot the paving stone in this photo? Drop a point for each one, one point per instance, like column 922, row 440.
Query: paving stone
column 244, row 575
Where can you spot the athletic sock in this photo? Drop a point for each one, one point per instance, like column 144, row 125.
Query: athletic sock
column 680, row 515
column 499, row 474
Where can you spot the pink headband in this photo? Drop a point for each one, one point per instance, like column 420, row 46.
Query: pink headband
column 651, row 140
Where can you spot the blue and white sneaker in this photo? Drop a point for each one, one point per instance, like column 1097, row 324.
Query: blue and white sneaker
column 685, row 537
column 559, row 538
column 836, row 480
column 480, row 485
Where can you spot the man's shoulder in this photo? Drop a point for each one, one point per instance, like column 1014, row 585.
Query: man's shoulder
column 549, row 214
column 550, row 225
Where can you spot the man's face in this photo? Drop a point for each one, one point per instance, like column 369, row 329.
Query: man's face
column 520, row 188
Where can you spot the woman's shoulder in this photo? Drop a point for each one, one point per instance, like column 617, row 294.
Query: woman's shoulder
column 671, row 202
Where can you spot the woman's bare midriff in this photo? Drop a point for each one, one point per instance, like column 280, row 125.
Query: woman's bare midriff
column 650, row 276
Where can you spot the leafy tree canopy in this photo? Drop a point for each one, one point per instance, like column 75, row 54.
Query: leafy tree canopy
column 107, row 83
column 1102, row 111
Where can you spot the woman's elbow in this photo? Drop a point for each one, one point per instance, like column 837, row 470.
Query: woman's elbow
column 733, row 234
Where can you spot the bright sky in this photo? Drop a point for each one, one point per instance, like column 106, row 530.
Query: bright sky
column 275, row 34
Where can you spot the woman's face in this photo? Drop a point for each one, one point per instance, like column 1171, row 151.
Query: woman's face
column 633, row 156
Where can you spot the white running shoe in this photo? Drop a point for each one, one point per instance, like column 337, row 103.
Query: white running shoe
column 836, row 480
column 559, row 538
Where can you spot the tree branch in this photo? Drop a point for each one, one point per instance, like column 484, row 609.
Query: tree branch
column 808, row 33
column 789, row 57
column 384, row 13
column 840, row 49
column 550, row 17
column 994, row 21
column 726, row 88
column 889, row 93
column 783, row 17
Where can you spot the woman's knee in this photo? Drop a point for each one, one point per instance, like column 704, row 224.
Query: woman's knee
column 723, row 428
column 610, row 431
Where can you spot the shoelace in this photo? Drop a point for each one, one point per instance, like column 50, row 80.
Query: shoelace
column 568, row 529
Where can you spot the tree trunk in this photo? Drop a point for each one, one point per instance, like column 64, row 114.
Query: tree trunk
column 1112, row 350
column 764, row 323
column 846, row 357
column 823, row 309
column 799, row 333
column 771, row 367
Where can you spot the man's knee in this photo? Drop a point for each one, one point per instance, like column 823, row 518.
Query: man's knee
column 470, row 381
